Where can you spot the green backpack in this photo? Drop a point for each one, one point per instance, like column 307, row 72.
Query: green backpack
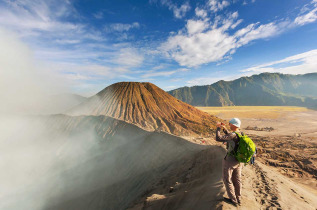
column 245, row 149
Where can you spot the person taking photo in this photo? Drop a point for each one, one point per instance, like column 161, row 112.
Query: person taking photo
column 231, row 167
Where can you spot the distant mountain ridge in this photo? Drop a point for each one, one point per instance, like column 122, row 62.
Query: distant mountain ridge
column 265, row 89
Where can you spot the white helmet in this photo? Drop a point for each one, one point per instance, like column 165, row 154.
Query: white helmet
column 236, row 122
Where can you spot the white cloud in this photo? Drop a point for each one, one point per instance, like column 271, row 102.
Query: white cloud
column 256, row 31
column 194, row 50
column 308, row 14
column 28, row 15
column 310, row 17
column 204, row 42
column 217, row 5
column 93, row 71
column 129, row 57
column 178, row 11
column 98, row 15
column 87, row 79
column 177, row 79
column 200, row 13
column 196, row 26
column 298, row 64
column 168, row 88
column 245, row 2
column 158, row 74
column 68, row 41
column 233, row 26
column 154, row 73
column 45, row 20
column 161, row 66
column 90, row 62
column 120, row 27
column 76, row 66
column 79, row 55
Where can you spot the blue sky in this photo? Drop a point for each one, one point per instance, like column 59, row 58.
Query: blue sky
column 89, row 45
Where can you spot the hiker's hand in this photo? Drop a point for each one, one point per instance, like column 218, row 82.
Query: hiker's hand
column 222, row 125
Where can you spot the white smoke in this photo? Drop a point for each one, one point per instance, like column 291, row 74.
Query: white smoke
column 25, row 86
column 33, row 159
column 32, row 155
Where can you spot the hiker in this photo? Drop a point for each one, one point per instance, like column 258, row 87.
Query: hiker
column 231, row 167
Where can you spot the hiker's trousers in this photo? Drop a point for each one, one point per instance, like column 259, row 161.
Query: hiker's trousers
column 231, row 174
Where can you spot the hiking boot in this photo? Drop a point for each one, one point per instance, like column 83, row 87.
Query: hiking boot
column 228, row 200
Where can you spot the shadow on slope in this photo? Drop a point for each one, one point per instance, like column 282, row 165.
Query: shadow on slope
column 195, row 184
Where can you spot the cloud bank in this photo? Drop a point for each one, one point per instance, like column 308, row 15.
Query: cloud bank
column 205, row 40
column 297, row 64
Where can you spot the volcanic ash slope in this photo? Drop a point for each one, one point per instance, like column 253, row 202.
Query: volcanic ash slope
column 85, row 162
column 149, row 107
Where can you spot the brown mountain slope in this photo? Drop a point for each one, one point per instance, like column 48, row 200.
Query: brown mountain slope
column 149, row 107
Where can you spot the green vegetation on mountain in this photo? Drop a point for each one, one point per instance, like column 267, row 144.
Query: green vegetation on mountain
column 266, row 89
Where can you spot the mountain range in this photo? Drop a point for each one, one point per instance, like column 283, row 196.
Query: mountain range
column 265, row 89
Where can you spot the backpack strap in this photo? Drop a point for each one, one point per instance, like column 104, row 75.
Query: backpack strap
column 232, row 153
column 238, row 134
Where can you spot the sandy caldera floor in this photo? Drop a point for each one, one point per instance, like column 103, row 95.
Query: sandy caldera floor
column 284, row 176
column 285, row 120
column 287, row 141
